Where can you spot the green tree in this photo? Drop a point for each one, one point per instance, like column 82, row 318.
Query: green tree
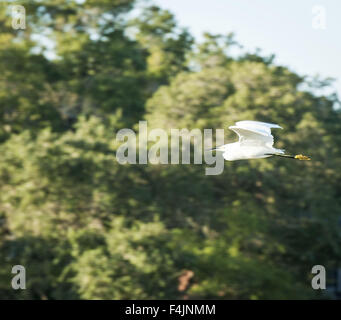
column 86, row 227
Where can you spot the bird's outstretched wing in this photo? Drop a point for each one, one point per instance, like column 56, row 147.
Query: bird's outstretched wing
column 264, row 126
column 254, row 132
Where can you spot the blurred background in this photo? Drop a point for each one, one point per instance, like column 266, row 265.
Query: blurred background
column 86, row 227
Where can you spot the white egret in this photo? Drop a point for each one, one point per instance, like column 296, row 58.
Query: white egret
column 255, row 141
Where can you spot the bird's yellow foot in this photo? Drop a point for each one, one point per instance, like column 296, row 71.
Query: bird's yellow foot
column 301, row 157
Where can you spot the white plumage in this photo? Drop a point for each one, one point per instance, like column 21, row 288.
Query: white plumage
column 255, row 141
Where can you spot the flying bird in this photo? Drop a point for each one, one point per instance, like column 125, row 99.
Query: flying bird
column 255, row 142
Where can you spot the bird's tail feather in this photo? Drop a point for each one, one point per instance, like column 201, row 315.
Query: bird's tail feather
column 215, row 148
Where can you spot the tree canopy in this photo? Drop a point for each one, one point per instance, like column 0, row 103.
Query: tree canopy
column 86, row 227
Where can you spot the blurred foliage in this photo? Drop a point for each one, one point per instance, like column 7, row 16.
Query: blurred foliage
column 86, row 227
